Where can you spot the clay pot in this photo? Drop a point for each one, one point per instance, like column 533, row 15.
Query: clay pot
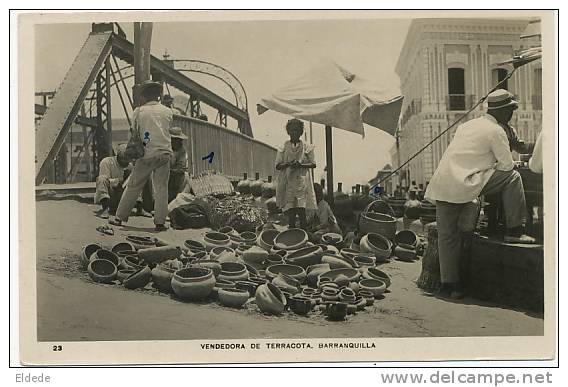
column 255, row 255
column 268, row 189
column 162, row 277
column 300, row 305
column 194, row 245
column 138, row 279
column 373, row 222
column 249, row 286
column 86, row 253
column 332, row 238
column 224, row 284
column 256, row 186
column 338, row 261
column 233, row 298
column 306, row 256
column 368, row 296
column 405, row 254
column 266, row 239
column 375, row 286
column 241, row 248
column 406, row 237
column 291, row 239
column 122, row 246
column 351, row 274
column 193, row 283
column 141, row 242
column 360, row 303
column 329, row 294
column 397, row 205
column 123, row 254
column 132, row 262
column 248, row 237
column 347, row 295
column 243, row 186
column 364, row 261
column 253, row 271
column 233, row 271
column 228, row 230
column 215, row 239
column 294, row 271
column 273, row 259
column 314, row 271
column 376, row 273
column 236, row 241
column 122, row 274
column 336, row 311
column 102, row 270
column 376, row 244
column 270, row 299
column 105, row 254
column 349, row 253
column 308, row 292
column 216, row 251
column 209, row 264
column 159, row 254
column 286, row 283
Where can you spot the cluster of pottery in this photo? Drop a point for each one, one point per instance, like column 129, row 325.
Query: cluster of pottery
column 257, row 187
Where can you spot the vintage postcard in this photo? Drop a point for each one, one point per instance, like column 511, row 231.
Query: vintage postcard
column 291, row 186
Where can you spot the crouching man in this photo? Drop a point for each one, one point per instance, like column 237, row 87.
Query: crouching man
column 477, row 162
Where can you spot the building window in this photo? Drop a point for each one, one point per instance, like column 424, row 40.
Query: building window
column 456, row 89
column 537, row 89
column 497, row 75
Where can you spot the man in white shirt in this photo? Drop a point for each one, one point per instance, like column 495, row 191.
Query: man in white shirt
column 154, row 121
column 477, row 162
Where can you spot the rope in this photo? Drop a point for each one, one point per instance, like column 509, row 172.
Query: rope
column 481, row 100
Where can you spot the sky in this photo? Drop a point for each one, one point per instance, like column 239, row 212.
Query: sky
column 264, row 55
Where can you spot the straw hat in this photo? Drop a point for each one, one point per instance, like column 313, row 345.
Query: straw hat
column 500, row 99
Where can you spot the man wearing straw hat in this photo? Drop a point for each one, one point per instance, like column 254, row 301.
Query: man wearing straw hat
column 477, row 162
column 178, row 163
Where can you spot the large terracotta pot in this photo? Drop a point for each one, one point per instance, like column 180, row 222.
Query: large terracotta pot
column 243, row 186
column 376, row 244
column 373, row 222
column 406, row 237
column 286, row 283
column 194, row 246
column 294, row 271
column 216, row 239
column 314, row 271
column 122, row 246
column 270, row 299
column 291, row 239
column 306, row 256
column 266, row 238
column 334, row 274
column 102, row 270
column 254, row 255
column 233, row 271
column 193, row 283
column 375, row 286
column 159, row 254
column 338, row 261
column 233, row 298
column 105, row 254
column 138, row 279
column 162, row 277
column 141, row 242
column 216, row 251
column 376, row 273
column 86, row 253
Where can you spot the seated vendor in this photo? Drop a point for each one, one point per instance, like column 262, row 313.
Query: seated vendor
column 113, row 170
column 324, row 220
column 178, row 164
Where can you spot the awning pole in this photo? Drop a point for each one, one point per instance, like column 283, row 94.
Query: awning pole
column 329, row 163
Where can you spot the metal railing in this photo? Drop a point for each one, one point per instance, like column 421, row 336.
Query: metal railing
column 234, row 153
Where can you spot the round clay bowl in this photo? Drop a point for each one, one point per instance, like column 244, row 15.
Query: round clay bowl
column 266, row 239
column 193, row 283
column 306, row 256
column 376, row 273
column 296, row 272
column 216, row 251
column 249, row 286
column 122, row 246
column 270, row 299
column 228, row 230
column 248, row 237
column 347, row 295
column 132, row 262
column 404, row 254
column 141, row 242
column 87, row 252
column 233, row 298
column 233, row 271
column 194, row 245
column 351, row 274
column 122, row 274
column 364, row 260
column 124, row 253
column 375, row 286
column 291, row 239
column 332, row 238
column 406, row 237
column 102, row 270
column 138, row 279
column 338, row 261
column 377, row 244
column 349, row 253
column 214, row 239
column 105, row 254
column 313, row 272
column 273, row 259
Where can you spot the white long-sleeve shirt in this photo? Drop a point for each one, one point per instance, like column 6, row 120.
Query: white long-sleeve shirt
column 479, row 147
column 154, row 121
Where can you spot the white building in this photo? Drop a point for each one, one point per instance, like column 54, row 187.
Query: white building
column 445, row 67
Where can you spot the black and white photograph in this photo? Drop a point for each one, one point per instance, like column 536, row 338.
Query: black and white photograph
column 320, row 183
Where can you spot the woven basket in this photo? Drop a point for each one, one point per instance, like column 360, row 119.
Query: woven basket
column 373, row 222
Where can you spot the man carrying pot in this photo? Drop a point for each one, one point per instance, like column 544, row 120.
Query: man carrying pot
column 477, row 162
